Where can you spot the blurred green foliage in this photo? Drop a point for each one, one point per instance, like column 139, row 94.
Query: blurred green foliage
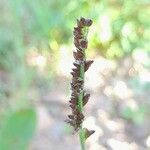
column 136, row 115
column 120, row 26
column 17, row 130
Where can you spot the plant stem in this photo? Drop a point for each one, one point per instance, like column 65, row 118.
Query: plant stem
column 81, row 134
column 80, row 98
column 82, row 92
column 82, row 139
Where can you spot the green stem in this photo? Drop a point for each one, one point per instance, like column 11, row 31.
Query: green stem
column 82, row 139
column 82, row 92
column 80, row 98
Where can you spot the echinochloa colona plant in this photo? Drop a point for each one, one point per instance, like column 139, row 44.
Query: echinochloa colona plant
column 79, row 97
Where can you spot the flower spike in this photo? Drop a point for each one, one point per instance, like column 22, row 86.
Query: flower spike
column 79, row 97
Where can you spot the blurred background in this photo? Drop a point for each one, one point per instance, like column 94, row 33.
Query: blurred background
column 36, row 46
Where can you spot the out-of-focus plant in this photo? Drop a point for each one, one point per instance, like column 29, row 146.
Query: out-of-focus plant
column 136, row 115
column 79, row 97
column 122, row 26
column 17, row 129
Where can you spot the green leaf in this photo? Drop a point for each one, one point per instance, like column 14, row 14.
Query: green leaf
column 137, row 115
column 18, row 130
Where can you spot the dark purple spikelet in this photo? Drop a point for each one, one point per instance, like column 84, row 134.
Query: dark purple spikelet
column 75, row 119
column 88, row 132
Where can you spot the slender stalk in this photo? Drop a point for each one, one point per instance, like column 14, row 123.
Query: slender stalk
column 82, row 139
column 80, row 100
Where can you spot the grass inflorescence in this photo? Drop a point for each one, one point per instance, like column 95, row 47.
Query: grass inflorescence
column 79, row 97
